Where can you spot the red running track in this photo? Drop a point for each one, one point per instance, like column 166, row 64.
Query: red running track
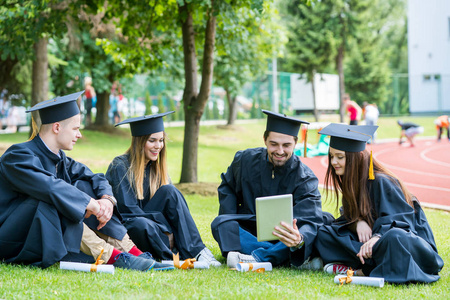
column 425, row 168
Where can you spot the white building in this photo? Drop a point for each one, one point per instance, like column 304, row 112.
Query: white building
column 327, row 93
column 429, row 56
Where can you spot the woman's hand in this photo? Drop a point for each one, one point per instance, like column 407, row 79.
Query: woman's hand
column 366, row 249
column 289, row 235
column 363, row 230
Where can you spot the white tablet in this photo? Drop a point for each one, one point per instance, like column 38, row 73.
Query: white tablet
column 270, row 211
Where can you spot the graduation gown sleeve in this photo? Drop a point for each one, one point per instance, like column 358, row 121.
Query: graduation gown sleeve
column 229, row 189
column 27, row 175
column 127, row 202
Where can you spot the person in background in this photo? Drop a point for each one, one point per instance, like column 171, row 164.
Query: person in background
column 370, row 113
column 114, row 102
column 90, row 95
column 353, row 109
column 409, row 130
column 269, row 171
column 442, row 123
column 153, row 209
column 382, row 230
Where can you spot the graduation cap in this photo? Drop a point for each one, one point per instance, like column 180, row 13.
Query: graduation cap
column 350, row 138
column 146, row 125
column 282, row 124
column 57, row 109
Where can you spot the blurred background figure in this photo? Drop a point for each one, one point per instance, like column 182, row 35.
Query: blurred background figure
column 409, row 130
column 442, row 123
column 370, row 113
column 353, row 109
column 3, row 106
column 114, row 98
column 90, row 96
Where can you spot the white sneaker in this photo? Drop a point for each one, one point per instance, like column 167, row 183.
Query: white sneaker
column 234, row 258
column 314, row 264
column 206, row 256
column 335, row 268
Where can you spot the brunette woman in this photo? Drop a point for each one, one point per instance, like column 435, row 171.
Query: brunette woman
column 153, row 210
column 382, row 230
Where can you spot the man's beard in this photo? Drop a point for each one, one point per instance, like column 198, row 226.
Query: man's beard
column 278, row 163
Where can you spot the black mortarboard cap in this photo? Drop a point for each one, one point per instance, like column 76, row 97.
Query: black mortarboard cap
column 146, row 125
column 351, row 138
column 58, row 109
column 282, row 124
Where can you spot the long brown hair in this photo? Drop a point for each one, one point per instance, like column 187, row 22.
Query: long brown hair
column 136, row 173
column 353, row 186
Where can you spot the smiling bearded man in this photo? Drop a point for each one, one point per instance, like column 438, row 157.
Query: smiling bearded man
column 260, row 172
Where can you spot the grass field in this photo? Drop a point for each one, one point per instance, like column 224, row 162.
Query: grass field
column 216, row 150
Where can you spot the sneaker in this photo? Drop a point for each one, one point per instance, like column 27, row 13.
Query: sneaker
column 146, row 255
column 157, row 266
column 234, row 258
column 314, row 264
column 130, row 262
column 335, row 268
column 206, row 256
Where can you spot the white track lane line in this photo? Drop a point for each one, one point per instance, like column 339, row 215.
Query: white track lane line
column 405, row 169
column 433, row 161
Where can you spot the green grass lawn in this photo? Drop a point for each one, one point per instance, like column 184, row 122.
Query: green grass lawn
column 217, row 148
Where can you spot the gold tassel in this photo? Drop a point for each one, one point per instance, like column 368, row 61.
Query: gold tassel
column 34, row 127
column 371, row 175
column 305, row 142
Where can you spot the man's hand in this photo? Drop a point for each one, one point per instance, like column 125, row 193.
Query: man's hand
column 92, row 208
column 102, row 209
column 289, row 235
column 366, row 249
column 105, row 212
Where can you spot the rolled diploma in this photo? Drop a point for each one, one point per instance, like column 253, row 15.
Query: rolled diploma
column 244, row 267
column 363, row 280
column 197, row 264
column 74, row 266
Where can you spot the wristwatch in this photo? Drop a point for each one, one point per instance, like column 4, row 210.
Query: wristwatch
column 110, row 198
column 302, row 242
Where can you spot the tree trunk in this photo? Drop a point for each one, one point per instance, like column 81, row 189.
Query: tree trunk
column 39, row 87
column 101, row 118
column 340, row 69
column 6, row 67
column 194, row 102
column 232, row 108
column 313, row 82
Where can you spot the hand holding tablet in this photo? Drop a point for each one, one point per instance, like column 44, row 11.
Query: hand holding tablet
column 270, row 212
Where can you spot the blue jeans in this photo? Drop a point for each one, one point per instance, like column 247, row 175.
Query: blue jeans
column 276, row 254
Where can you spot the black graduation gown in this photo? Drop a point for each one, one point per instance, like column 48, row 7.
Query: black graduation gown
column 250, row 176
column 148, row 220
column 41, row 211
column 406, row 252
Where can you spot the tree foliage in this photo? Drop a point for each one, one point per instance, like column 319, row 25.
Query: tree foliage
column 249, row 40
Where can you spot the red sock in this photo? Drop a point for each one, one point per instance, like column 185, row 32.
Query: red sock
column 135, row 251
column 114, row 254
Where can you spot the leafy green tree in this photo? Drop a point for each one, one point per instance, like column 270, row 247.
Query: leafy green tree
column 155, row 34
column 148, row 103
column 311, row 47
column 25, row 28
column 249, row 41
column 161, row 106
